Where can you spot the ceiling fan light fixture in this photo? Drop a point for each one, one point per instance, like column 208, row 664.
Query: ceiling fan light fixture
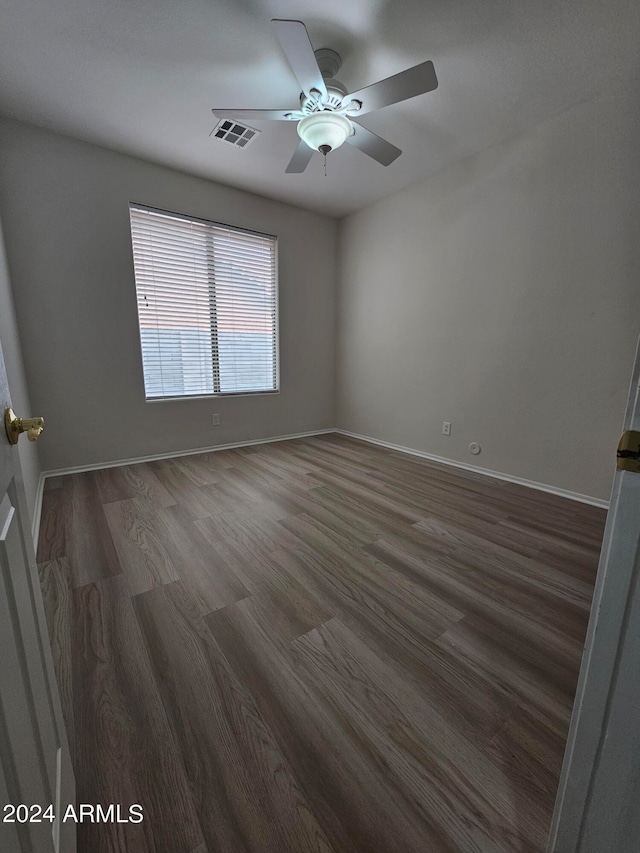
column 324, row 131
column 326, row 105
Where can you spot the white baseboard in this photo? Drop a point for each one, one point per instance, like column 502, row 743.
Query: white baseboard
column 531, row 484
column 521, row 481
column 37, row 512
column 118, row 463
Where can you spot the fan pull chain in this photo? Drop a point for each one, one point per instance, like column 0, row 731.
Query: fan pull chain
column 325, row 165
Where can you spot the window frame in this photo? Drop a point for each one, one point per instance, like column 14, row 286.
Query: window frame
column 276, row 288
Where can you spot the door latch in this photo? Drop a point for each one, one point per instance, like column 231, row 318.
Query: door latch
column 629, row 451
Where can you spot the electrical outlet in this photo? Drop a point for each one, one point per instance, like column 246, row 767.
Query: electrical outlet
column 216, row 420
column 446, row 428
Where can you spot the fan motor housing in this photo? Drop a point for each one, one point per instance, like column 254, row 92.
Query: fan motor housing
column 329, row 63
column 335, row 95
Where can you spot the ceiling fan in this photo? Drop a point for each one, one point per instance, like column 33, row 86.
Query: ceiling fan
column 328, row 114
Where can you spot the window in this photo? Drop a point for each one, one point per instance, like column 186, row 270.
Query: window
column 207, row 302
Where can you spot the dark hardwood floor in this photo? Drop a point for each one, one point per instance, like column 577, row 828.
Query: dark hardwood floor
column 315, row 645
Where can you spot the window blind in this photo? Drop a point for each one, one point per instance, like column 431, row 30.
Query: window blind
column 207, row 306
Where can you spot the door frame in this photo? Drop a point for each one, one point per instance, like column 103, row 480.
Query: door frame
column 605, row 673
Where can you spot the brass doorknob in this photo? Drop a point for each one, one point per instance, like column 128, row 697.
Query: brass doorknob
column 15, row 426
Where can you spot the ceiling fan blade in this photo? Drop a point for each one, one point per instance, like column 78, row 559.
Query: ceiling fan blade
column 274, row 115
column 294, row 39
column 407, row 84
column 300, row 159
column 373, row 145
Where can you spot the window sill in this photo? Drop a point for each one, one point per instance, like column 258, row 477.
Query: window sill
column 211, row 396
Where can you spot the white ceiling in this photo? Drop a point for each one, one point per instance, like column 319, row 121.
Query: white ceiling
column 141, row 76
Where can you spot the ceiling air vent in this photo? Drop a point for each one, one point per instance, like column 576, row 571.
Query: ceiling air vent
column 237, row 134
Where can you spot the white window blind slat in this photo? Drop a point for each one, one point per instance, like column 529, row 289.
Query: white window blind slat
column 207, row 306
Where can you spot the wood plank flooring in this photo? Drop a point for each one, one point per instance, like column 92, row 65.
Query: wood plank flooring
column 315, row 646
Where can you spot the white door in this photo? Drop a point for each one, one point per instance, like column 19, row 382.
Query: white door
column 35, row 766
column 598, row 803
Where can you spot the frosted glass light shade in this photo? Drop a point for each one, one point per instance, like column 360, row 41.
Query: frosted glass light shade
column 324, row 128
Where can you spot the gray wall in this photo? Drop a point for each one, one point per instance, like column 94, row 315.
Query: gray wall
column 502, row 295
column 12, row 353
column 65, row 209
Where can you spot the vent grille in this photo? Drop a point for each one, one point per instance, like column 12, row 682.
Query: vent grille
column 236, row 134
